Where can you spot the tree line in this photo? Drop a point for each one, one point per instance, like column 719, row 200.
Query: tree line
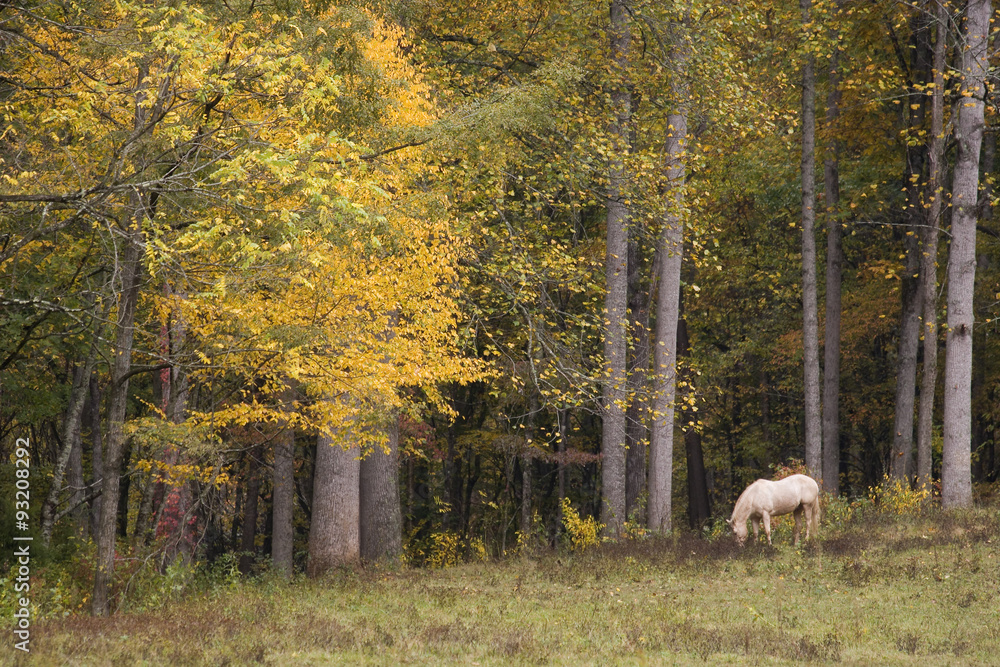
column 373, row 280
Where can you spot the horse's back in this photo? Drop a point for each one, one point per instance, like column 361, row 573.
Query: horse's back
column 808, row 488
column 792, row 492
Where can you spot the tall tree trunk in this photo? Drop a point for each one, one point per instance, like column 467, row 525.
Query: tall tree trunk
column 834, row 269
column 70, row 437
column 177, row 506
column 699, row 509
column 453, row 481
column 334, row 537
column 283, row 503
column 526, row 467
column 671, row 251
column 143, row 533
column 810, row 316
column 901, row 466
column 562, row 417
column 381, row 514
column 129, row 270
column 96, row 453
column 928, row 258
column 616, row 278
column 248, row 540
column 636, row 431
column 906, row 367
column 956, row 475
column 74, row 477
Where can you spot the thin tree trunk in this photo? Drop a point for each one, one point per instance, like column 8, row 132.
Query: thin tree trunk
column 956, row 469
column 248, row 540
column 636, row 430
column 562, row 417
column 74, row 476
column 699, row 509
column 283, row 503
column 96, row 452
column 526, row 468
column 661, row 444
column 834, row 269
column 143, row 533
column 906, row 367
column 453, row 481
column 381, row 514
column 70, row 435
column 616, row 277
column 130, row 272
column 810, row 316
column 179, row 498
column 334, row 535
column 901, row 466
column 234, row 529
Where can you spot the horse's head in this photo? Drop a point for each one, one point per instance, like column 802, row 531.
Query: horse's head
column 739, row 529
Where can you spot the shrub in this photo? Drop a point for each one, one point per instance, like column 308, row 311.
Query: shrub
column 894, row 496
column 583, row 533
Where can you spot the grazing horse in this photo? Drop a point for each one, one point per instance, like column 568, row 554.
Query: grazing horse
column 764, row 499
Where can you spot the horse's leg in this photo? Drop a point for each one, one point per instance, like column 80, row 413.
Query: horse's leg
column 812, row 520
column 755, row 522
column 798, row 526
column 767, row 526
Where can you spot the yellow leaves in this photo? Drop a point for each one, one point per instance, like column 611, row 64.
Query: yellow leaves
column 181, row 473
column 583, row 533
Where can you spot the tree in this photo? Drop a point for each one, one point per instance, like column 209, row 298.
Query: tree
column 127, row 301
column 929, row 242
column 613, row 439
column 810, row 317
column 283, row 493
column 381, row 515
column 909, row 329
column 956, row 476
column 670, row 253
column 334, row 538
column 834, row 270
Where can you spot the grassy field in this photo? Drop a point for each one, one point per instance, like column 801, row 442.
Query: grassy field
column 884, row 590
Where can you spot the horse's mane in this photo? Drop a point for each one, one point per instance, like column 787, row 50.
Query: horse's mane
column 743, row 505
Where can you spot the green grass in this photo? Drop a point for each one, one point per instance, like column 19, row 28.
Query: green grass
column 882, row 591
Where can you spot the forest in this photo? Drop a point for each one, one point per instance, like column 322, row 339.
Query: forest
column 290, row 287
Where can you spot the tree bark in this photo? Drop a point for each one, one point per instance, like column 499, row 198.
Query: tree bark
column 810, row 316
column 96, row 453
column 74, row 477
column 526, row 467
column 906, row 367
column 562, row 419
column 834, row 269
column 901, row 465
column 70, row 437
column 956, row 469
column 928, row 258
column 636, row 431
column 128, row 297
column 699, row 508
column 283, row 503
column 671, row 251
column 381, row 514
column 616, row 278
column 248, row 540
column 334, row 536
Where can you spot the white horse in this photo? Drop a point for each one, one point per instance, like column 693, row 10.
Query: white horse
column 764, row 499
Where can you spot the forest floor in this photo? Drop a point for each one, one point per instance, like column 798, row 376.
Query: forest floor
column 883, row 590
